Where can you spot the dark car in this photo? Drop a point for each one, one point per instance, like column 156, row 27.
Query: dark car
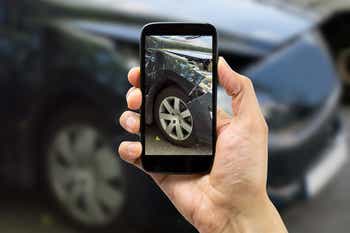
column 334, row 20
column 63, row 67
column 179, row 89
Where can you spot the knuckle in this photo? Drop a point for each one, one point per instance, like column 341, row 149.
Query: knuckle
column 247, row 82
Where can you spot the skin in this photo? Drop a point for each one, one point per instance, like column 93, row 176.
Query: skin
column 233, row 196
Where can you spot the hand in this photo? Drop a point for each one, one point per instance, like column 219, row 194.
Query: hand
column 233, row 197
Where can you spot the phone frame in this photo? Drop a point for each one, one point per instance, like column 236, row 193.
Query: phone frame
column 178, row 163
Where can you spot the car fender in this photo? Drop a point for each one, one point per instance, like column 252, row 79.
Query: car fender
column 165, row 78
column 200, row 108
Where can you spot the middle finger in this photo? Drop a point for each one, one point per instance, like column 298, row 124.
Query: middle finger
column 134, row 98
column 130, row 121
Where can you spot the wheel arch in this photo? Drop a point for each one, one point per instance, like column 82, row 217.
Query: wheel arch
column 165, row 79
column 81, row 91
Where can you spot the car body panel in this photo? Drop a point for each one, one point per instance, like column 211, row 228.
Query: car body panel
column 255, row 35
column 289, row 75
column 186, row 65
column 201, row 110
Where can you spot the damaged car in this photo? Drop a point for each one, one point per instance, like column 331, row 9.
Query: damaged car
column 63, row 68
column 179, row 89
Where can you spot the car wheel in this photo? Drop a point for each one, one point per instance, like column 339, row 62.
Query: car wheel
column 343, row 63
column 173, row 117
column 82, row 174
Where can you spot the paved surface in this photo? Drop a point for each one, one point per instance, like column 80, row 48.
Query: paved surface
column 327, row 212
column 156, row 144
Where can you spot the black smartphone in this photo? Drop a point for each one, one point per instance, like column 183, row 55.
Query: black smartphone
column 178, row 84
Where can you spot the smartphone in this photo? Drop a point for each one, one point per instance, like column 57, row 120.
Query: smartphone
column 178, row 84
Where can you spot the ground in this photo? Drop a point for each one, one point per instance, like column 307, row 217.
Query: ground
column 326, row 212
column 156, row 144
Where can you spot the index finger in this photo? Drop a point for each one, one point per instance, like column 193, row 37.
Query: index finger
column 134, row 76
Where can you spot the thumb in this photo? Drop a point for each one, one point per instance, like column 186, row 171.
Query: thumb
column 244, row 101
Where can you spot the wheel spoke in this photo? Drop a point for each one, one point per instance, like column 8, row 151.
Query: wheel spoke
column 177, row 104
column 185, row 113
column 186, row 126
column 179, row 132
column 63, row 147
column 73, row 196
column 93, row 207
column 167, row 106
column 170, row 128
column 65, row 178
column 166, row 116
column 86, row 142
column 164, row 124
column 107, row 195
column 107, row 164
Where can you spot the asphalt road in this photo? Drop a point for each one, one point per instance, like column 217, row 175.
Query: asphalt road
column 327, row 212
column 156, row 144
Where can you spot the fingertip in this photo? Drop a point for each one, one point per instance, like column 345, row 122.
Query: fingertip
column 134, row 99
column 134, row 76
column 130, row 121
column 222, row 65
column 222, row 61
column 225, row 66
column 130, row 151
column 228, row 78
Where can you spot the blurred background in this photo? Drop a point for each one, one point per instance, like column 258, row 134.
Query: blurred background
column 63, row 67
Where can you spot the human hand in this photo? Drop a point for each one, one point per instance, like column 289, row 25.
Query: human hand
column 233, row 196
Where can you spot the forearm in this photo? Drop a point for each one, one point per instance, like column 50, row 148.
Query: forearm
column 263, row 218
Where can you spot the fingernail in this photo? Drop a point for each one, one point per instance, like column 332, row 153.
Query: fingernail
column 222, row 59
column 130, row 71
column 132, row 149
column 130, row 122
column 129, row 91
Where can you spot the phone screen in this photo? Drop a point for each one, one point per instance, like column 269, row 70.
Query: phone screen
column 178, row 89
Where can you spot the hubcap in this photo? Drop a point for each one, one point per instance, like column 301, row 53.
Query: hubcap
column 85, row 175
column 175, row 118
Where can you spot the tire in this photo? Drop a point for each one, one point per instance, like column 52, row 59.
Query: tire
column 343, row 64
column 81, row 173
column 181, row 129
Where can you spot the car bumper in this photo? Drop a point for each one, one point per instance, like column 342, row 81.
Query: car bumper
column 317, row 176
column 202, row 116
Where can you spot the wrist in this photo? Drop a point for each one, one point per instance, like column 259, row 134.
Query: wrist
column 259, row 216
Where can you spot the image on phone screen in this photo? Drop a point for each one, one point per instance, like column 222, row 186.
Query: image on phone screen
column 178, row 95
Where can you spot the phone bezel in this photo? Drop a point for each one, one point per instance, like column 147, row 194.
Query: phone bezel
column 178, row 163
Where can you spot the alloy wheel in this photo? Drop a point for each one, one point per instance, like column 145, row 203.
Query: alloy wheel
column 175, row 118
column 84, row 175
